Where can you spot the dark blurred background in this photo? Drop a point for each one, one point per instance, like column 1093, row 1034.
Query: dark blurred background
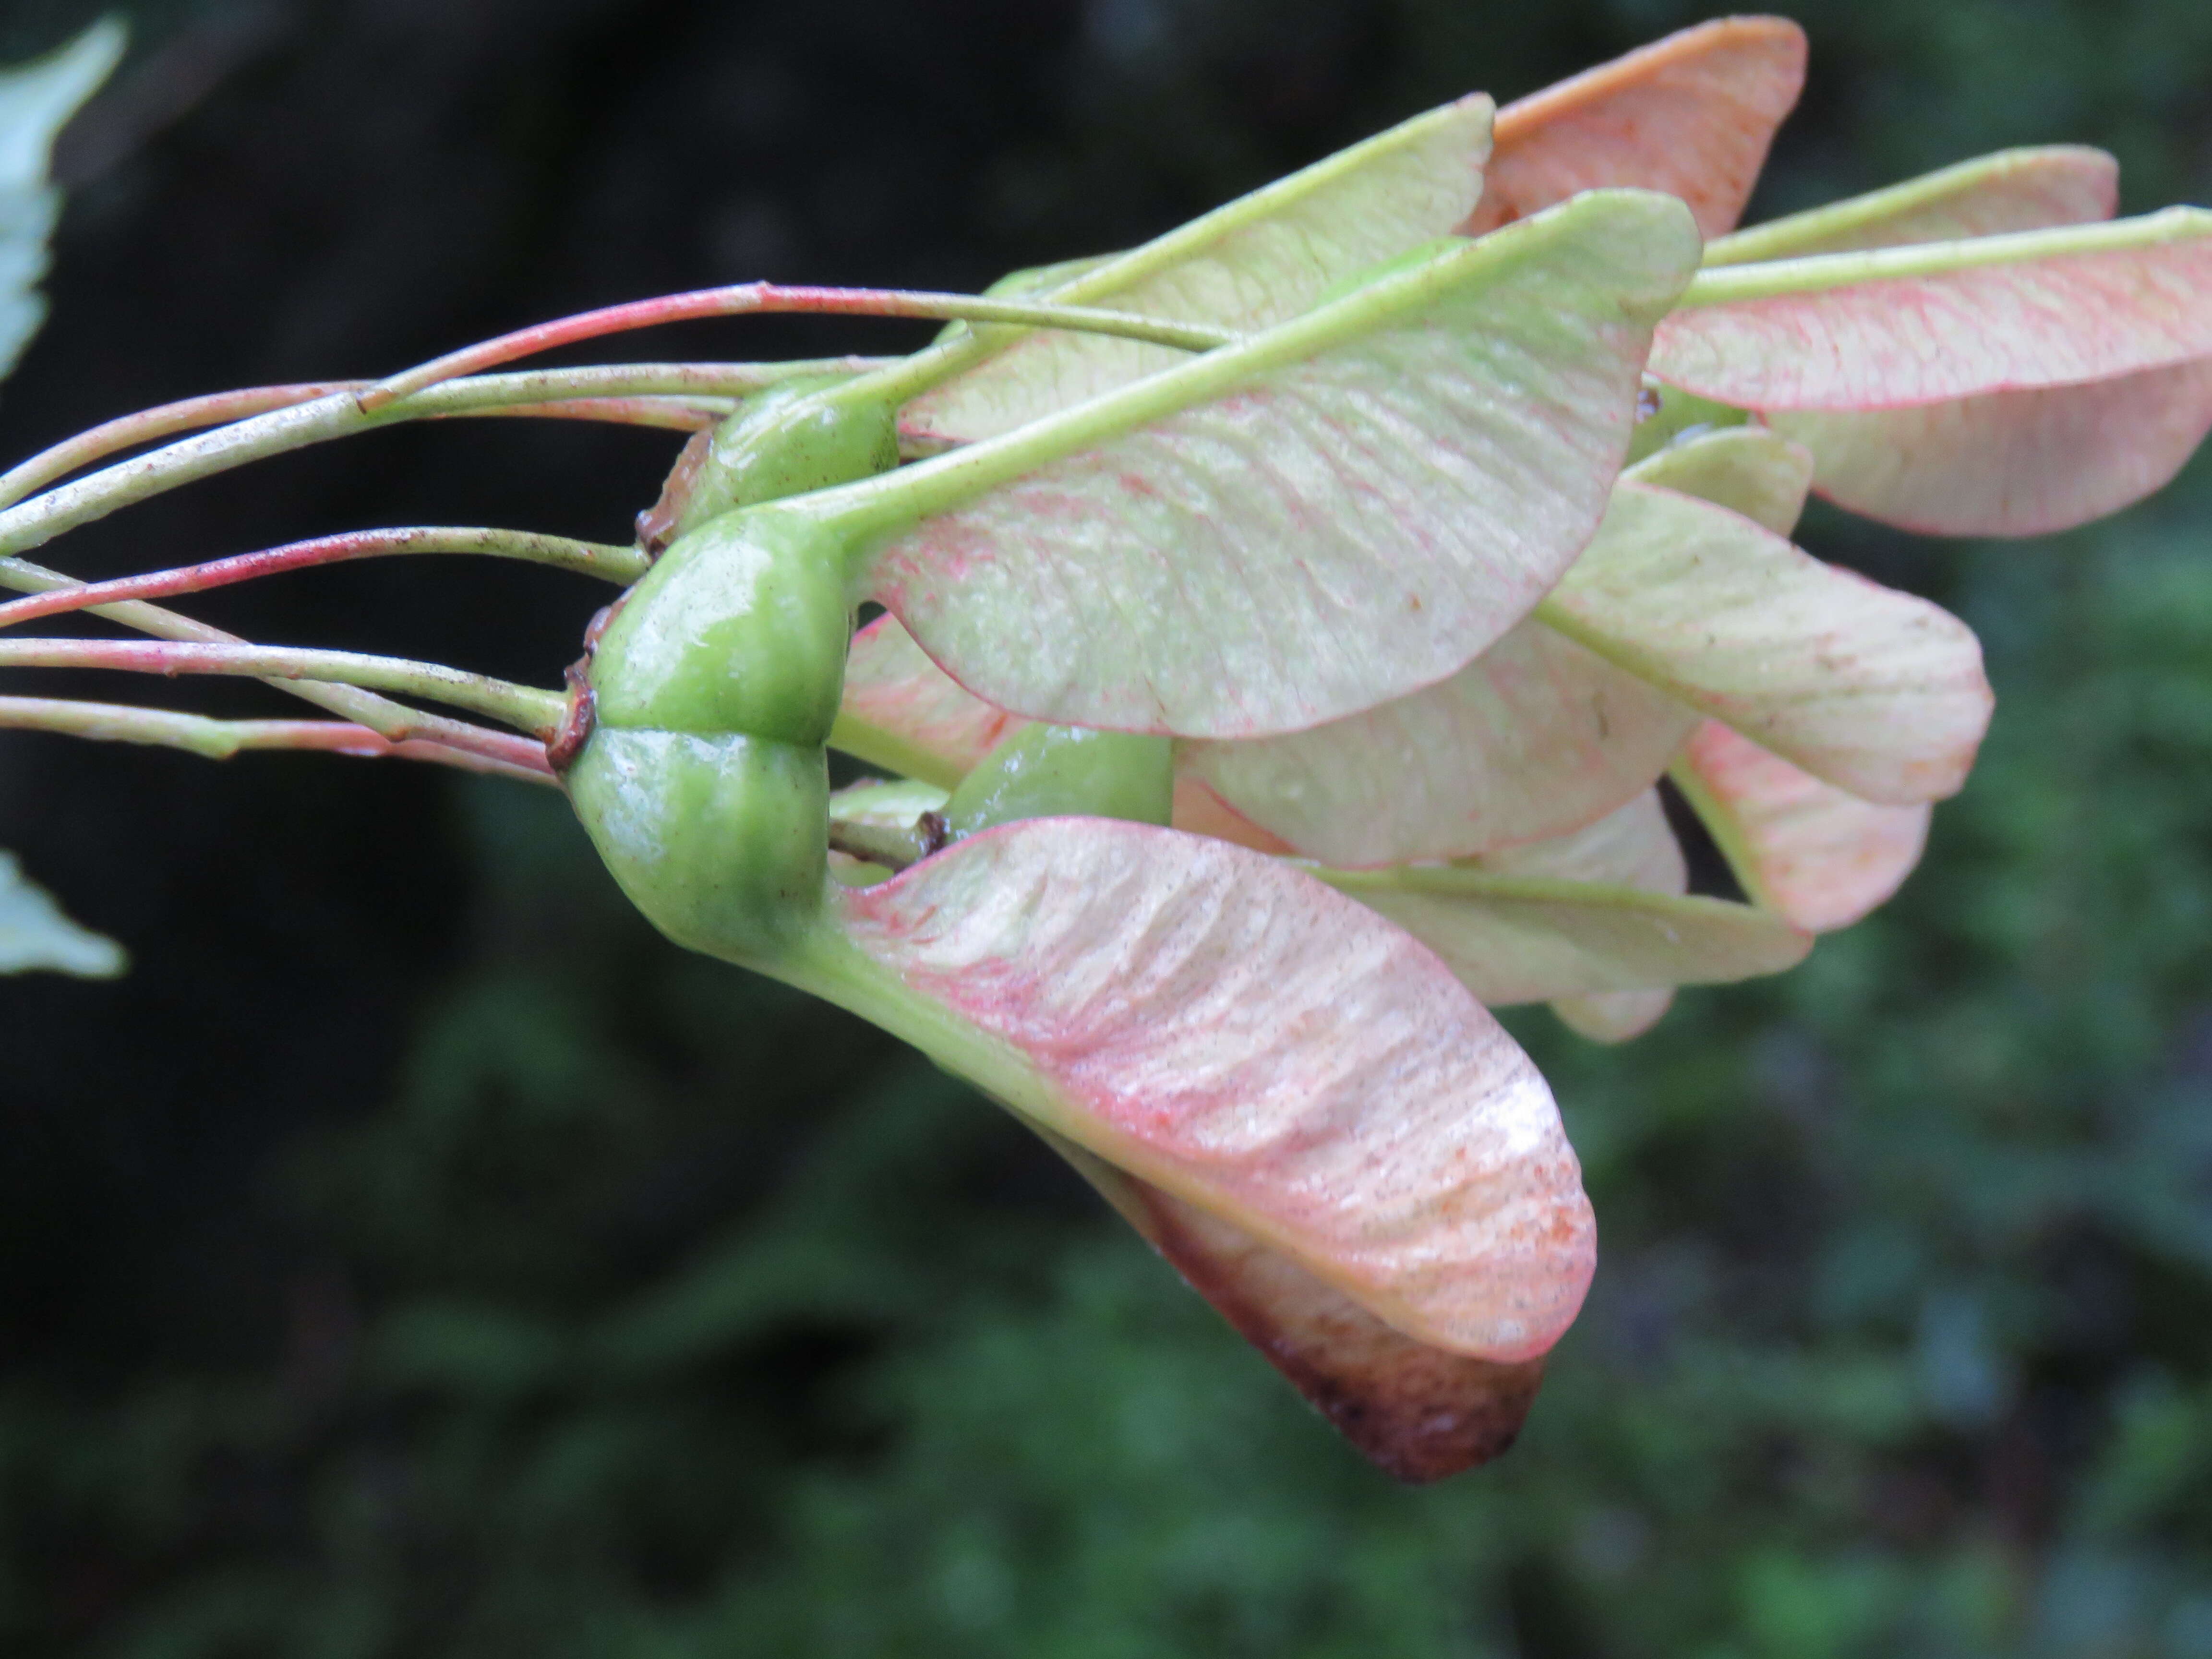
column 416, row 1256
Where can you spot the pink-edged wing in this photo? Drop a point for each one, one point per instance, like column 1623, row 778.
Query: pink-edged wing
column 2026, row 189
column 1336, row 512
column 1805, row 848
column 1877, row 691
column 1690, row 115
column 1613, row 1015
column 1745, row 469
column 2001, row 463
column 1928, row 322
column 901, row 710
column 2011, row 462
column 1256, row 261
column 1634, row 846
column 1420, row 1413
column 1221, row 1026
column 1536, row 736
column 1592, row 914
column 1749, row 472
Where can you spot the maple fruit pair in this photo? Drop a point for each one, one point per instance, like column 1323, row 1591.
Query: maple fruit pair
column 1287, row 623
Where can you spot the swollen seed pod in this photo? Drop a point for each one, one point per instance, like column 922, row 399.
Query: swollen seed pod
column 705, row 781
column 719, row 839
column 713, row 684
column 786, row 442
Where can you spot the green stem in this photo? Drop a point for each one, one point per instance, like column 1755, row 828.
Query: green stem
column 620, row 565
column 1460, row 128
column 389, row 719
column 215, row 739
column 893, row 847
column 905, row 378
column 330, row 413
column 1814, row 273
column 1805, row 233
column 147, row 425
column 870, row 510
column 524, row 708
column 636, row 379
column 826, row 963
column 762, row 298
column 669, row 414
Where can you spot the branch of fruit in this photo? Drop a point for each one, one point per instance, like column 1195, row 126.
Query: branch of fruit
column 219, row 740
column 620, row 565
column 761, row 299
column 524, row 708
column 694, row 389
column 391, row 720
column 1367, row 614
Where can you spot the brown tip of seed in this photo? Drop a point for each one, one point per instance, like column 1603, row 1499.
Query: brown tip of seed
column 656, row 525
column 576, row 720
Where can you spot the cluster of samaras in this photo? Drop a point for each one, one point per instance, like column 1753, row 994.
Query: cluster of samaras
column 1286, row 626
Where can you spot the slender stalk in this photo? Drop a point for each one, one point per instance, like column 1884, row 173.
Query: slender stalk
column 901, row 380
column 291, row 419
column 213, row 739
column 523, row 706
column 621, row 565
column 1813, row 273
column 744, row 299
column 692, row 382
column 222, row 408
column 892, row 847
column 112, row 437
column 672, row 413
column 394, row 721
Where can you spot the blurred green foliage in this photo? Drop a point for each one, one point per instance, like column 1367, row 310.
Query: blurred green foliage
column 662, row 1313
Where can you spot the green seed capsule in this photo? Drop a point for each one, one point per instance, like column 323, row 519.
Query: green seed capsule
column 705, row 781
column 718, row 838
column 1050, row 771
column 741, row 626
column 786, row 442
